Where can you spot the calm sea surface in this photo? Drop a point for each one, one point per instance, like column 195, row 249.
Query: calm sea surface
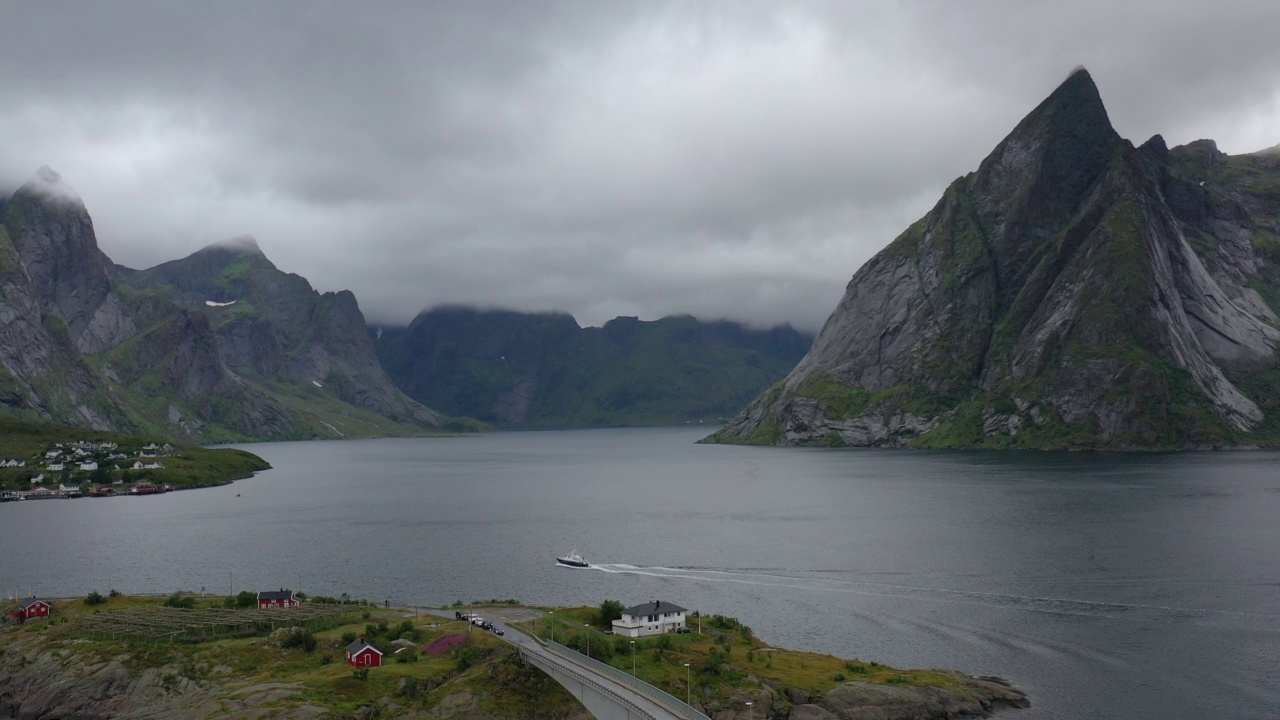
column 1116, row 586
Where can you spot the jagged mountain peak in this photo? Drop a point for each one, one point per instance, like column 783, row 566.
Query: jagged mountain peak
column 47, row 185
column 1075, row 291
column 242, row 245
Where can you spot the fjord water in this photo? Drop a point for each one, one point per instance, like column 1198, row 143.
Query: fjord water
column 1104, row 585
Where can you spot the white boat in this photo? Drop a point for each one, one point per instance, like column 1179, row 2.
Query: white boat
column 573, row 559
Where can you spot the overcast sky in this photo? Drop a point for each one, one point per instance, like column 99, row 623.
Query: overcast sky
column 732, row 159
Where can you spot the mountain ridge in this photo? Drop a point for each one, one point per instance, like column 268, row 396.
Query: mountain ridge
column 544, row 370
column 1051, row 298
column 92, row 343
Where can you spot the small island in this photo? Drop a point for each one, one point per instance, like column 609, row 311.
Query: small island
column 44, row 461
column 278, row 653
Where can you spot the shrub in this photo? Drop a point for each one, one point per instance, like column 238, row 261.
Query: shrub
column 713, row 665
column 114, row 593
column 405, row 631
column 178, row 600
column 407, row 655
column 246, row 599
column 348, row 638
column 360, row 673
column 94, row 598
column 466, row 656
column 299, row 638
column 610, row 610
column 839, row 677
column 897, row 680
column 856, row 669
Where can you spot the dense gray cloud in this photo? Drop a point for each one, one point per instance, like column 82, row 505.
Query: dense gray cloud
column 732, row 160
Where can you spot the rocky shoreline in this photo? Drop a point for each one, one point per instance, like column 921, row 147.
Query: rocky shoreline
column 49, row 671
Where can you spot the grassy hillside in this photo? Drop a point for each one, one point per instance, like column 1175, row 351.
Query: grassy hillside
column 254, row 667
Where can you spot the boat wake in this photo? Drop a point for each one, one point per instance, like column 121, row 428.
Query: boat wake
column 1000, row 600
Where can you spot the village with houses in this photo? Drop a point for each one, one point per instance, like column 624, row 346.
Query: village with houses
column 84, row 468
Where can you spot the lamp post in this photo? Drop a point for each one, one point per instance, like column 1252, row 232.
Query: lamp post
column 551, row 626
column 588, row 627
column 633, row 658
column 688, row 684
column 750, row 713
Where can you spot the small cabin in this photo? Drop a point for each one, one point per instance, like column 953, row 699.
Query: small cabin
column 31, row 608
column 361, row 654
column 281, row 598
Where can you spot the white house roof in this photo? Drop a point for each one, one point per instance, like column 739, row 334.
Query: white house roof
column 654, row 608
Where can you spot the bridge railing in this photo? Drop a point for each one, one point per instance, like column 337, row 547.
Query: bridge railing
column 585, row 677
column 666, row 699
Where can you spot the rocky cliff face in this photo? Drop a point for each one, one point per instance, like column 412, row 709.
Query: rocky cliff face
column 543, row 369
column 86, row 342
column 1074, row 291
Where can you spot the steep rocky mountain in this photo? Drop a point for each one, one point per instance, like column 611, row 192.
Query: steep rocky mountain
column 1074, row 291
column 545, row 370
column 87, row 342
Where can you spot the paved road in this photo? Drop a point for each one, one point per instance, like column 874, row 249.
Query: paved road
column 566, row 664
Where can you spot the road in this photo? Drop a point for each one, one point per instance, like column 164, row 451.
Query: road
column 623, row 693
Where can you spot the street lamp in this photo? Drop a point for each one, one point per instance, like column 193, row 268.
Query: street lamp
column 688, row 684
column 551, row 625
column 633, row 658
column 750, row 713
column 588, row 627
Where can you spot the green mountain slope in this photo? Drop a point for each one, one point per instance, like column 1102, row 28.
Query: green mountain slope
column 543, row 370
column 1074, row 291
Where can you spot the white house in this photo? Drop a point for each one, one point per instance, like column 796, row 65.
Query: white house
column 89, row 466
column 652, row 618
column 38, row 479
column 56, row 467
column 13, row 463
column 148, row 466
column 53, row 454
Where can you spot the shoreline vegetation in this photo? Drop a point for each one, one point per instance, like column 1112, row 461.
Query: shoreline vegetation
column 186, row 655
column 63, row 461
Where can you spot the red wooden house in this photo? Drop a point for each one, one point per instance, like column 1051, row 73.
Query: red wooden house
column 277, row 599
column 31, row 608
column 362, row 654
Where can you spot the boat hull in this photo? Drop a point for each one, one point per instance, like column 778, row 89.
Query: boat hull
column 573, row 563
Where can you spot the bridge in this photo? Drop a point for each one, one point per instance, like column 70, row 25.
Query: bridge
column 605, row 691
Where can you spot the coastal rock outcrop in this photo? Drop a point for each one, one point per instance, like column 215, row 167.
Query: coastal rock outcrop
column 1074, row 291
